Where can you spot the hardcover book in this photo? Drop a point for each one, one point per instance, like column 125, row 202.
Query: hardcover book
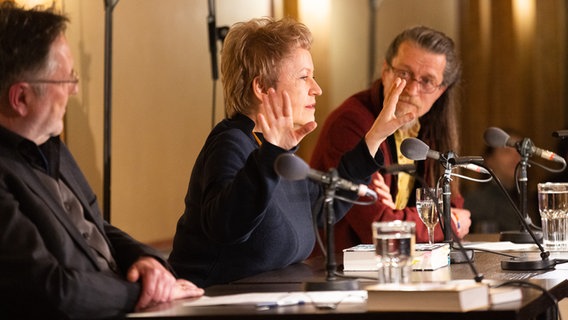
column 453, row 296
column 427, row 257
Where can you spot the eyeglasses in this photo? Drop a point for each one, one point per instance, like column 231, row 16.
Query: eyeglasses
column 426, row 85
column 74, row 80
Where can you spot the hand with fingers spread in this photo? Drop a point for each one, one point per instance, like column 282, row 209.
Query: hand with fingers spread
column 277, row 123
column 388, row 121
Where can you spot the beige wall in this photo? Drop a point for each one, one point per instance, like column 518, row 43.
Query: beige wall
column 162, row 96
column 162, row 87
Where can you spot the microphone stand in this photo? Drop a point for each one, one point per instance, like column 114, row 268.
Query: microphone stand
column 522, row 236
column 456, row 256
column 332, row 282
column 520, row 264
column 466, row 255
column 107, row 105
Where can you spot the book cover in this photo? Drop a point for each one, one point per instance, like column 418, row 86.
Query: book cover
column 451, row 296
column 427, row 257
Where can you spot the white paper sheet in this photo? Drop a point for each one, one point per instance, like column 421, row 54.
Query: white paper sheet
column 284, row 298
column 501, row 246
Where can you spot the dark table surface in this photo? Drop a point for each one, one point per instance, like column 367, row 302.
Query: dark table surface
column 535, row 304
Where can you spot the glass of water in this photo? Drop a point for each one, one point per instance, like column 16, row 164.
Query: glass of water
column 553, row 208
column 427, row 202
column 394, row 248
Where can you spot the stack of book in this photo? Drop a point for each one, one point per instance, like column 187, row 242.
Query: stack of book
column 456, row 296
column 427, row 257
column 452, row 295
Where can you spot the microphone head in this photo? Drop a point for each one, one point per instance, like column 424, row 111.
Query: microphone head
column 291, row 167
column 495, row 137
column 560, row 134
column 414, row 149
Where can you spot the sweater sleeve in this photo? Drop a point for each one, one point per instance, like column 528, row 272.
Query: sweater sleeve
column 237, row 179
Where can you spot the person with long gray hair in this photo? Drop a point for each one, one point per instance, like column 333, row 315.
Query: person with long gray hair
column 427, row 60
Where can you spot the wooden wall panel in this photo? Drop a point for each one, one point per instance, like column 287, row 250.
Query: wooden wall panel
column 513, row 82
column 514, row 74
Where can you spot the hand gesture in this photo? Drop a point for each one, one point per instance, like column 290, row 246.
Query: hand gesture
column 387, row 122
column 277, row 123
column 382, row 190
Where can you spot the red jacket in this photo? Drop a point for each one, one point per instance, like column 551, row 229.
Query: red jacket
column 343, row 129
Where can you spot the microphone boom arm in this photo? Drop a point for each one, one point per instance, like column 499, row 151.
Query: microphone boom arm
column 545, row 263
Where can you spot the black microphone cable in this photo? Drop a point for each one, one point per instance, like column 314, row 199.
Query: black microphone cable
column 525, row 284
column 545, row 263
column 478, row 277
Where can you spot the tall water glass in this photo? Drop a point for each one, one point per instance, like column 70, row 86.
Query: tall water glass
column 394, row 247
column 427, row 202
column 553, row 208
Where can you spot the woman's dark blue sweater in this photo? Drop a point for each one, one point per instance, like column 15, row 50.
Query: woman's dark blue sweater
column 240, row 217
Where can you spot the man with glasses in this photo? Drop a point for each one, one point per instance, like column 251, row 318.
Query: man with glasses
column 427, row 60
column 58, row 258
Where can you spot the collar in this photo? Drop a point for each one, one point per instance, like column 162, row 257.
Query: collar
column 44, row 157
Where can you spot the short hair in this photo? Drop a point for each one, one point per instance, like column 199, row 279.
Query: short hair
column 253, row 49
column 25, row 40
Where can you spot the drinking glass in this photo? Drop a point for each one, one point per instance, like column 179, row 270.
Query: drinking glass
column 394, row 248
column 427, row 201
column 553, row 208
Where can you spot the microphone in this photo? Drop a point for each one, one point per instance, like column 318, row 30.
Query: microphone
column 560, row 134
column 495, row 137
column 212, row 32
column 291, row 167
column 416, row 149
column 111, row 3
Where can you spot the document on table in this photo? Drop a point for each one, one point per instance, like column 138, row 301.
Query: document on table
column 275, row 299
column 263, row 301
column 500, row 246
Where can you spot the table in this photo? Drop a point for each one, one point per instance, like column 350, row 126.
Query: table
column 535, row 304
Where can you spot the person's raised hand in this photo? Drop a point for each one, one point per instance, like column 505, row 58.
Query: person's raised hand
column 387, row 121
column 276, row 121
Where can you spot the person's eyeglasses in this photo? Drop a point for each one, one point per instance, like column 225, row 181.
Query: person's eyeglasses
column 426, row 85
column 74, row 80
